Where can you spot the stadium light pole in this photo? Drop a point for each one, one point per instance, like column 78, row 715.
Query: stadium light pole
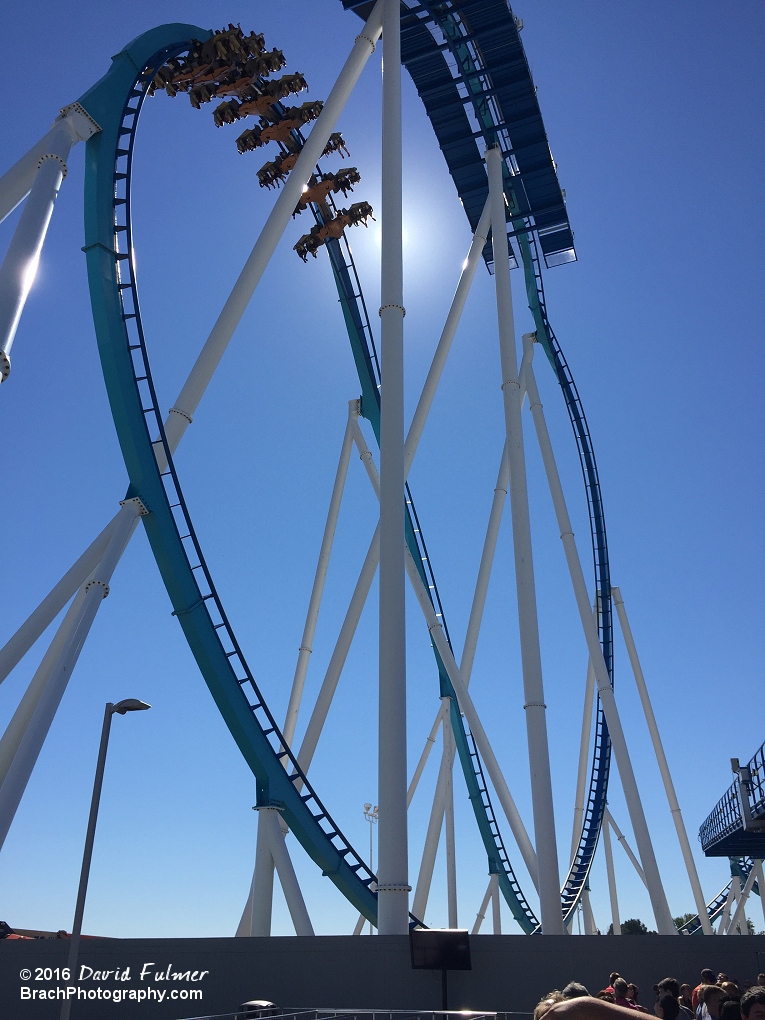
column 121, row 708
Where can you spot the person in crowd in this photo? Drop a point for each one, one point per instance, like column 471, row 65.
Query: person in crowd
column 730, row 1009
column 605, row 995
column 671, row 986
column 731, row 988
column 753, row 1002
column 620, row 993
column 707, row 978
column 666, row 1006
column 721, row 978
column 583, row 1008
column 574, row 990
column 686, row 993
column 611, row 978
column 710, row 1002
column 761, row 980
column 546, row 1002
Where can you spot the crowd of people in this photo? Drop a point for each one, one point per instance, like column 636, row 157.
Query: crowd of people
column 715, row 997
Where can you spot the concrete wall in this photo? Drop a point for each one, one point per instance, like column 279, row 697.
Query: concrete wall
column 510, row 972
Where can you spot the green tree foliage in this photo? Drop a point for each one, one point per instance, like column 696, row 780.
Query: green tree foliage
column 632, row 926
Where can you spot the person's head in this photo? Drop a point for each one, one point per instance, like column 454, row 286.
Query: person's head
column 620, row 988
column 753, row 1002
column 613, row 976
column 685, row 991
column 632, row 992
column 667, row 1007
column 730, row 1009
column 761, row 980
column 708, row 977
column 574, row 990
column 670, row 985
column 731, row 988
column 712, row 997
column 605, row 996
column 546, row 1002
column 722, row 977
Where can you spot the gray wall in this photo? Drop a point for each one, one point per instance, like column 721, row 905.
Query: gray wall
column 510, row 972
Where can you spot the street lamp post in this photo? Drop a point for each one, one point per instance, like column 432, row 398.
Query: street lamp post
column 371, row 813
column 128, row 705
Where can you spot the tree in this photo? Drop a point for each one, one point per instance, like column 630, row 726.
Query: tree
column 683, row 919
column 632, row 926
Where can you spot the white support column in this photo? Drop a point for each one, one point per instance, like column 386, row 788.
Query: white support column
column 496, row 906
column 584, row 756
column 286, row 872
column 314, row 604
column 476, row 727
column 611, row 877
column 760, row 885
column 739, row 917
column 38, row 622
column 59, row 664
column 451, row 856
column 280, row 216
column 19, row 267
column 340, row 653
column 481, row 915
column 664, row 922
column 531, row 659
column 262, row 894
column 393, row 886
column 590, row 928
column 661, row 758
column 608, row 817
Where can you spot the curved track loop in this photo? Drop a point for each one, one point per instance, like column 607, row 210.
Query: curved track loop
column 115, row 103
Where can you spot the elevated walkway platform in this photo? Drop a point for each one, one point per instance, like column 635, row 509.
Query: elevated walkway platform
column 736, row 826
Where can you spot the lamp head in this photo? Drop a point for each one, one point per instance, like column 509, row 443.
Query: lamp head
column 130, row 705
column 367, row 807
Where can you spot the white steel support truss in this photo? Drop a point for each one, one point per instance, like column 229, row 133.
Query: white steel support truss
column 606, row 830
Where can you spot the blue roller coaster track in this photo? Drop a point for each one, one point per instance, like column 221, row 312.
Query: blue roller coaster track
column 463, row 56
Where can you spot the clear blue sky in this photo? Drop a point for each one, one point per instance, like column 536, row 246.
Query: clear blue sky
column 654, row 114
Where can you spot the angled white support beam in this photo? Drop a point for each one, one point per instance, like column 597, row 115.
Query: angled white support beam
column 58, row 665
column 262, row 887
column 314, row 604
column 531, row 658
column 432, row 838
column 584, row 755
column 429, row 742
column 451, row 853
column 590, row 928
column 609, row 818
column 664, row 922
column 733, row 895
column 617, row 928
column 286, row 872
column 274, row 227
column 476, row 727
column 484, row 570
column 739, row 916
column 760, row 885
column 447, row 336
column 496, row 906
column 339, row 654
column 359, row 928
column 481, row 915
column 661, row 759
column 17, row 646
